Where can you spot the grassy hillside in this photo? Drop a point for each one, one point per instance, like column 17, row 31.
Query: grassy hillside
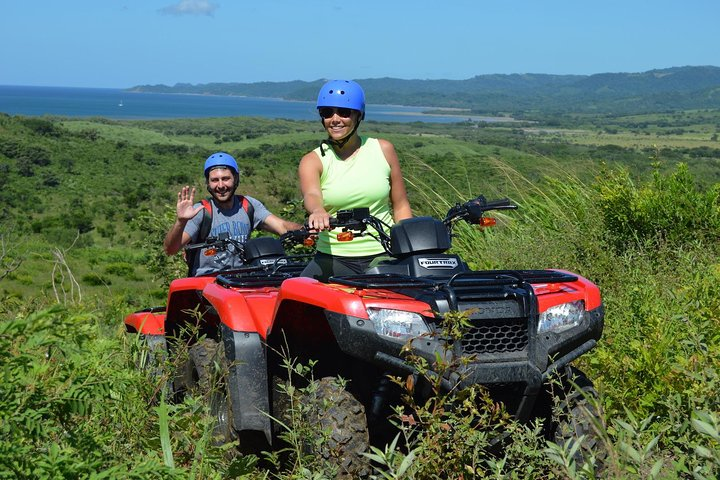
column 85, row 204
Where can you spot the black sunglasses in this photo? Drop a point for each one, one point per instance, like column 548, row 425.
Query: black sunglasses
column 328, row 112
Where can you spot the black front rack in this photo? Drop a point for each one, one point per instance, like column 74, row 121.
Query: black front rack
column 487, row 278
column 382, row 280
column 461, row 287
column 534, row 276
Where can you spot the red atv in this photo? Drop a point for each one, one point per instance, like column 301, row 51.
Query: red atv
column 527, row 326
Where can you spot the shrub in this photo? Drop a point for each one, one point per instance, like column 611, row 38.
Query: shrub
column 670, row 208
column 121, row 270
column 68, row 408
column 95, row 279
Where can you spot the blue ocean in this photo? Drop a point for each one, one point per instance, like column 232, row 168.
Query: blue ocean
column 122, row 105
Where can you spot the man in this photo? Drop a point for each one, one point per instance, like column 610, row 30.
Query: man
column 235, row 214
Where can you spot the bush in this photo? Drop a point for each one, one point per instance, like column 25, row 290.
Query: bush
column 68, row 408
column 121, row 270
column 42, row 127
column 669, row 209
column 95, row 279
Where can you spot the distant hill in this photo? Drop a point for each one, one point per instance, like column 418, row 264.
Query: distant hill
column 677, row 88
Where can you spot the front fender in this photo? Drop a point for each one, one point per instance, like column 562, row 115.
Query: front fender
column 551, row 294
column 328, row 296
column 245, row 310
column 150, row 321
column 247, row 381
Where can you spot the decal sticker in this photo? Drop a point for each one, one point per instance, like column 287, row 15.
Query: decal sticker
column 271, row 261
column 438, row 263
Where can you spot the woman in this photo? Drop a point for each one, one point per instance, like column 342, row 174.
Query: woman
column 348, row 171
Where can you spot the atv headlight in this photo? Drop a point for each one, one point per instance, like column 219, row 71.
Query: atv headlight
column 397, row 324
column 562, row 317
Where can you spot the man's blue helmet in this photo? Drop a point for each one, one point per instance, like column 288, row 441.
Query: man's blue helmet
column 221, row 159
column 342, row 94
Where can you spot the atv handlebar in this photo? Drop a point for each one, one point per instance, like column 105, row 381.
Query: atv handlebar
column 352, row 220
column 473, row 210
column 221, row 242
column 358, row 220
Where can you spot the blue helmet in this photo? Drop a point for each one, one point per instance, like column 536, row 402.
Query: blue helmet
column 342, row 93
column 221, row 159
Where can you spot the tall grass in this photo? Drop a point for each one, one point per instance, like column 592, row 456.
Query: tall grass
column 652, row 247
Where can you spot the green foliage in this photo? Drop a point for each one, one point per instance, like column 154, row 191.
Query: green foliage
column 453, row 431
column 121, row 269
column 68, row 408
column 670, row 209
column 154, row 228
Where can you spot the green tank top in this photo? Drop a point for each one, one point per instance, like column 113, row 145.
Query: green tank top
column 360, row 181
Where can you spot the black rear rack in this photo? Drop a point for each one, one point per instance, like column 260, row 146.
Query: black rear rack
column 271, row 274
column 252, row 279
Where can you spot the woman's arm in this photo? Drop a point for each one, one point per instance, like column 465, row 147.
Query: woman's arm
column 398, row 194
column 309, row 172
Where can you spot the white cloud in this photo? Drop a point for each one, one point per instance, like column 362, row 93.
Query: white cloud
column 190, row 7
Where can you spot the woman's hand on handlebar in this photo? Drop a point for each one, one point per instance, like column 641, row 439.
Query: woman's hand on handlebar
column 318, row 220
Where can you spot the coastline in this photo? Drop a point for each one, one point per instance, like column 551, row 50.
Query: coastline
column 127, row 104
column 437, row 112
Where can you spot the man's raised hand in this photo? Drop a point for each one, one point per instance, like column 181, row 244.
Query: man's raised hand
column 186, row 200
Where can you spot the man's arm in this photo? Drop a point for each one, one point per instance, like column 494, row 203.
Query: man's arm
column 277, row 225
column 176, row 238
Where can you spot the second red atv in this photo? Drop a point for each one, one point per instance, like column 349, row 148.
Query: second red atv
column 526, row 327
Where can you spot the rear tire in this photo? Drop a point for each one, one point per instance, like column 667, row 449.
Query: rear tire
column 152, row 358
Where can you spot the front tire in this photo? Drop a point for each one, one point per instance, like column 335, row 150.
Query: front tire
column 205, row 378
column 577, row 418
column 337, row 413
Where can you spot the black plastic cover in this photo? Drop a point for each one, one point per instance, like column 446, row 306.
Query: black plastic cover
column 261, row 247
column 419, row 235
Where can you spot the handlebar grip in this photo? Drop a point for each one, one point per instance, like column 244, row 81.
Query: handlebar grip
column 333, row 224
column 503, row 203
column 352, row 219
column 295, row 234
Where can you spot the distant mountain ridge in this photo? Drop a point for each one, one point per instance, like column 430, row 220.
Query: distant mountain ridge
column 676, row 88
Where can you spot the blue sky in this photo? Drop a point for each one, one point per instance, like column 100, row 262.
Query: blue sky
column 121, row 43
